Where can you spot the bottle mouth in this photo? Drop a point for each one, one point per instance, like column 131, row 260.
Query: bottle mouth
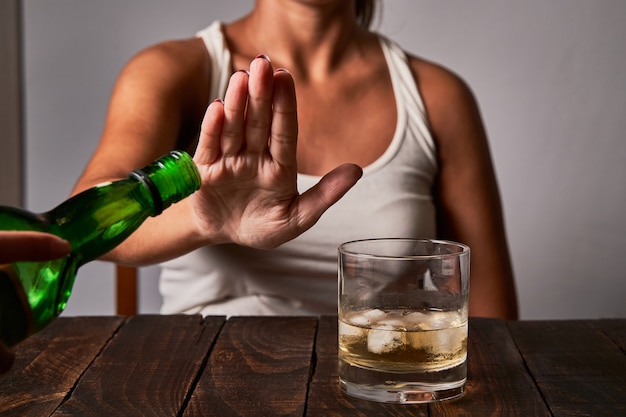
column 190, row 169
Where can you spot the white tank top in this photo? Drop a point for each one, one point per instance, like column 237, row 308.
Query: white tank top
column 392, row 199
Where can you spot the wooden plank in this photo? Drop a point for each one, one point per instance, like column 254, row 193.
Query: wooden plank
column 325, row 397
column 259, row 366
column 498, row 382
column 49, row 363
column 148, row 368
column 578, row 368
column 616, row 330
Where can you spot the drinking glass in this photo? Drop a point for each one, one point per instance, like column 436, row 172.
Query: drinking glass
column 403, row 319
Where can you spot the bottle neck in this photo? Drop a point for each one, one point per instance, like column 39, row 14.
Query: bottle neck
column 157, row 200
column 169, row 179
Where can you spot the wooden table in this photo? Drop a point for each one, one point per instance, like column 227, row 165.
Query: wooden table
column 262, row 366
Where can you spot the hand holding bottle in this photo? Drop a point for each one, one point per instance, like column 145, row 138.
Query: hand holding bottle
column 27, row 246
column 247, row 159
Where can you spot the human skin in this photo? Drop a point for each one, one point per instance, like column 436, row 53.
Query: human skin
column 31, row 246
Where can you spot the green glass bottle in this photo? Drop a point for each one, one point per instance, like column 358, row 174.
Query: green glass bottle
column 95, row 221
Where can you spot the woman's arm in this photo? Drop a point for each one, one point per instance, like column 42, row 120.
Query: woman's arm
column 150, row 113
column 468, row 202
column 159, row 97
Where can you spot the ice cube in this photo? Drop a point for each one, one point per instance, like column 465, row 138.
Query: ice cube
column 393, row 320
column 414, row 320
column 366, row 318
column 441, row 333
column 385, row 339
column 440, row 320
column 350, row 333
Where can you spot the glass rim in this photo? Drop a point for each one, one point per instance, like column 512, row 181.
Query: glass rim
column 463, row 248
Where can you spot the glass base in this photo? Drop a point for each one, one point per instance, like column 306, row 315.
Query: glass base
column 404, row 393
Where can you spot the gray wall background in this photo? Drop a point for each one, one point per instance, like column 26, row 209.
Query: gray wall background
column 549, row 76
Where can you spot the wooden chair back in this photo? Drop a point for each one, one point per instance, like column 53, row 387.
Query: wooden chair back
column 125, row 290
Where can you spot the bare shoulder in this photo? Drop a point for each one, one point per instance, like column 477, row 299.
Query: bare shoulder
column 435, row 80
column 156, row 105
column 176, row 62
column 449, row 100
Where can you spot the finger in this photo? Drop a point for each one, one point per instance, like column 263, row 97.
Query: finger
column 209, row 144
column 31, row 246
column 234, row 113
column 284, row 129
column 315, row 201
column 259, row 112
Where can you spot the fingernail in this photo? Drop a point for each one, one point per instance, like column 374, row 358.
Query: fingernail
column 244, row 71
column 218, row 100
column 283, row 70
column 265, row 57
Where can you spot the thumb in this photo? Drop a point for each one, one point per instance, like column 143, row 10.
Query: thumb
column 31, row 246
column 315, row 201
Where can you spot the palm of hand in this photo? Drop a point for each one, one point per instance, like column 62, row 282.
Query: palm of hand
column 249, row 199
column 247, row 159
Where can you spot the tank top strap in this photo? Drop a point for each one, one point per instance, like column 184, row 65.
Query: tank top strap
column 408, row 97
column 219, row 57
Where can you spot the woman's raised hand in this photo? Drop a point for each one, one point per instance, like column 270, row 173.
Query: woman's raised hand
column 247, row 159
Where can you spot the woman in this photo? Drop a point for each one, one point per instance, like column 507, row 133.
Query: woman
column 411, row 124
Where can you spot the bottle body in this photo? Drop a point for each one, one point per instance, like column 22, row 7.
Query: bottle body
column 95, row 221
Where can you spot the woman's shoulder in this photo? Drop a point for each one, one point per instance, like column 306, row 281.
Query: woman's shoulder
column 174, row 76
column 178, row 59
column 444, row 92
column 437, row 80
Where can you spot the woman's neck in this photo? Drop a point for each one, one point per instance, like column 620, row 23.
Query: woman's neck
column 310, row 39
